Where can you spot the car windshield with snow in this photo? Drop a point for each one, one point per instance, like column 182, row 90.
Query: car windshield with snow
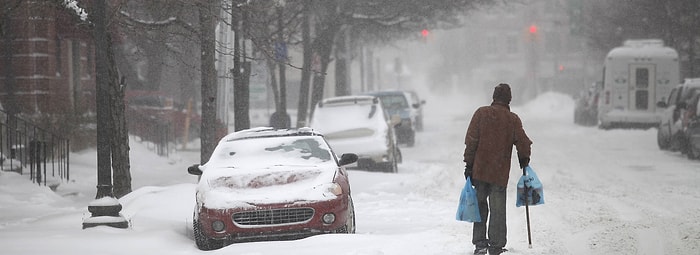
column 266, row 184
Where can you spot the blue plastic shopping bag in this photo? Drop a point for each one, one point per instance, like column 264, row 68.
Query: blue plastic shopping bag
column 530, row 189
column 468, row 209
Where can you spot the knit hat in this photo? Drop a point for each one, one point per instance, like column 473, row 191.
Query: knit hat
column 501, row 93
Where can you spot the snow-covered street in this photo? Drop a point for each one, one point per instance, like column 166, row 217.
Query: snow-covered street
column 606, row 192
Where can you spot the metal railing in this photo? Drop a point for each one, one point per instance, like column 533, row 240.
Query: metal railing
column 28, row 149
column 153, row 127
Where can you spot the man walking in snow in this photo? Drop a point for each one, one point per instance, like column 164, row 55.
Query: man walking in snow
column 492, row 133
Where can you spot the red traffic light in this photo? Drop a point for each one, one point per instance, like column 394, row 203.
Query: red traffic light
column 425, row 32
column 533, row 29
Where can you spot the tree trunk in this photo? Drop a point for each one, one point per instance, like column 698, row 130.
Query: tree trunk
column 207, row 20
column 280, row 119
column 241, row 92
column 320, row 78
column 120, row 137
column 369, row 66
column 303, row 107
column 323, row 45
column 271, row 67
column 342, row 86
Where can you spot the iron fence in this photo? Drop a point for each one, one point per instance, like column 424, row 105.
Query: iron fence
column 28, row 149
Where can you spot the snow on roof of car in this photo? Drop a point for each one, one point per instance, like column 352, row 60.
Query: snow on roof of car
column 387, row 92
column 260, row 132
column 344, row 100
column 692, row 81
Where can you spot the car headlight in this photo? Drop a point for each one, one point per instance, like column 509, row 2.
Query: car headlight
column 335, row 189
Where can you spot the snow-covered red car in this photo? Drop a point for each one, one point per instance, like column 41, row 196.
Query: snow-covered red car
column 263, row 184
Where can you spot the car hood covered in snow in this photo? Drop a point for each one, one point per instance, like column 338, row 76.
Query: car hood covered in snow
column 239, row 188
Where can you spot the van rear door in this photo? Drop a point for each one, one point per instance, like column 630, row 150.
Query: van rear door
column 642, row 87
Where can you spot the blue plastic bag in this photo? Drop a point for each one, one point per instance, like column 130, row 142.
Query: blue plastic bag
column 468, row 209
column 530, row 188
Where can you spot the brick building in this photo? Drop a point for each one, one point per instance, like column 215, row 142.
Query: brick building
column 46, row 60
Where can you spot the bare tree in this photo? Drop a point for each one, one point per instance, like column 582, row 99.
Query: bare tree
column 208, row 15
column 610, row 22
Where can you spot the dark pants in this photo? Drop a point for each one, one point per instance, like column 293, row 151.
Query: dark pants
column 496, row 206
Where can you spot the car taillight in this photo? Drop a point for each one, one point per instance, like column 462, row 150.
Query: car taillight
column 607, row 97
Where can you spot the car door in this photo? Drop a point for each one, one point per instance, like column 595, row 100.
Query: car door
column 669, row 114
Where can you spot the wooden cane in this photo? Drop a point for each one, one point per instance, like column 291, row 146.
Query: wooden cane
column 527, row 213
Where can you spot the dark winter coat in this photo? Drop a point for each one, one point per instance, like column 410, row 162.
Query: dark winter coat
column 489, row 142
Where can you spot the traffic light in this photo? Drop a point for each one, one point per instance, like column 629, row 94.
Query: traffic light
column 533, row 29
column 532, row 33
column 424, row 34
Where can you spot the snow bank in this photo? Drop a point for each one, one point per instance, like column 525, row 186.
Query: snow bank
column 550, row 105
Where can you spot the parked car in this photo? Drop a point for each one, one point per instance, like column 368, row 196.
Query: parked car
column 586, row 109
column 398, row 102
column 359, row 124
column 266, row 184
column 691, row 130
column 8, row 164
column 417, row 108
column 670, row 132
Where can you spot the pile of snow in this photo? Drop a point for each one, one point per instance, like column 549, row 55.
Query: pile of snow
column 550, row 106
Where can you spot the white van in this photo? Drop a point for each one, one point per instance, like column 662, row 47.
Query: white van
column 636, row 75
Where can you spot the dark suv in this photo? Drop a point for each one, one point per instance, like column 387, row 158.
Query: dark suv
column 399, row 103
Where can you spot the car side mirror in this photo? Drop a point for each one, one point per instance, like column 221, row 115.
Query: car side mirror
column 422, row 101
column 661, row 104
column 416, row 105
column 347, row 158
column 395, row 120
column 194, row 170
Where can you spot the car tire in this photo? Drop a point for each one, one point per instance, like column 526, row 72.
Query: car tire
column 663, row 142
column 419, row 124
column 693, row 153
column 411, row 139
column 350, row 226
column 388, row 167
column 398, row 155
column 204, row 243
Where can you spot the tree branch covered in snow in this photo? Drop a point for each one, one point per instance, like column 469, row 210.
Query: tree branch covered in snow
column 73, row 5
column 166, row 22
column 158, row 23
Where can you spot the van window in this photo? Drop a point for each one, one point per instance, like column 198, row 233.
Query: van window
column 642, row 78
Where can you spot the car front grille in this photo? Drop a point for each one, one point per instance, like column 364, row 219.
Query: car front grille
column 273, row 216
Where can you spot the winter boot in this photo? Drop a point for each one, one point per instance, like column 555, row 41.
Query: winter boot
column 496, row 250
